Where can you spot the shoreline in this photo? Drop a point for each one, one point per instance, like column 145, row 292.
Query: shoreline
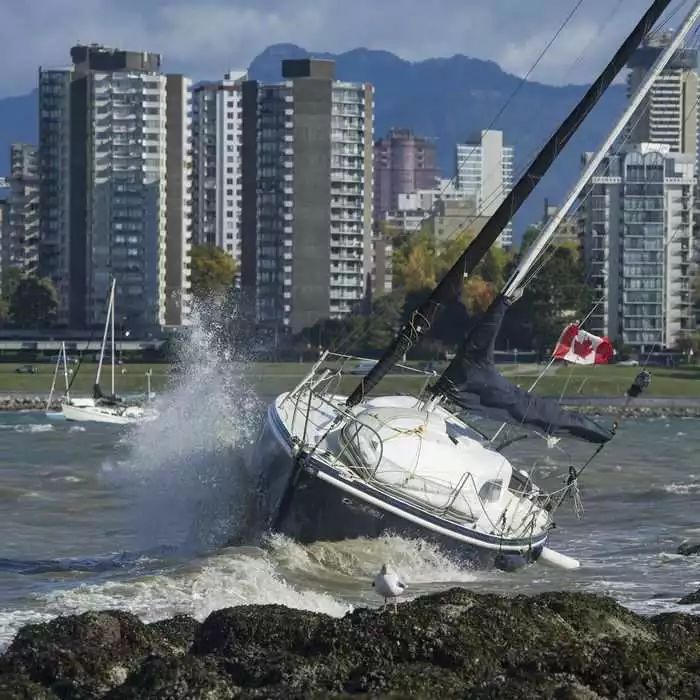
column 652, row 407
column 455, row 643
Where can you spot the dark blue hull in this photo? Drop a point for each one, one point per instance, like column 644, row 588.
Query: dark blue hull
column 317, row 502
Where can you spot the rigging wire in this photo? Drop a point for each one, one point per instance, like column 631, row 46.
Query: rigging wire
column 550, row 249
column 518, row 87
column 81, row 355
column 496, row 195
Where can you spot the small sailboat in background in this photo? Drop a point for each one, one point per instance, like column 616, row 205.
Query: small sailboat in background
column 105, row 408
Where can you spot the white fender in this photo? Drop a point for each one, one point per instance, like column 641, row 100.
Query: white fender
column 558, row 560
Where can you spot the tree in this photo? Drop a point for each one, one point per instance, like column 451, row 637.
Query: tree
column 556, row 296
column 4, row 311
column 10, row 279
column 531, row 232
column 212, row 271
column 415, row 263
column 384, row 320
column 34, row 302
column 478, row 294
column 687, row 342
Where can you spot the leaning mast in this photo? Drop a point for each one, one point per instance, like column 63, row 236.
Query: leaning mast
column 451, row 284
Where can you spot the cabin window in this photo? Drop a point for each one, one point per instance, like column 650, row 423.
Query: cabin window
column 490, row 491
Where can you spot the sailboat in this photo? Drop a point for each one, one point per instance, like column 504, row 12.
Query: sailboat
column 332, row 467
column 103, row 408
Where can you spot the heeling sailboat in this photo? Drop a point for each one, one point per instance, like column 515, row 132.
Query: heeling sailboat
column 103, row 408
column 333, row 467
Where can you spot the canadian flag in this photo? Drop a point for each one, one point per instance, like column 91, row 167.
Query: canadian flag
column 583, row 348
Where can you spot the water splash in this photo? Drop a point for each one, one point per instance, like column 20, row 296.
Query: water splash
column 415, row 560
column 187, row 466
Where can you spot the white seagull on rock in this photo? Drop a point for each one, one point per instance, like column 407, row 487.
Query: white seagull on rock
column 387, row 585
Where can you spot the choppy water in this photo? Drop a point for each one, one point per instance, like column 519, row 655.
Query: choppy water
column 99, row 516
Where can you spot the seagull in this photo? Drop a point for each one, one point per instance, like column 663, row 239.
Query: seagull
column 386, row 583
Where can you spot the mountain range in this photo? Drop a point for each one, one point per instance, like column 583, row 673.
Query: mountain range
column 450, row 99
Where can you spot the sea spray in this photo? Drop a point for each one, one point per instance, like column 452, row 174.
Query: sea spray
column 187, row 466
column 358, row 560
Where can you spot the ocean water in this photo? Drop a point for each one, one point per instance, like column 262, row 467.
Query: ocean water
column 96, row 516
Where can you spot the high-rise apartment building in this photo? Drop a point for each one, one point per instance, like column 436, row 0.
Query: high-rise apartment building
column 112, row 200
column 307, row 195
column 485, row 171
column 403, row 164
column 4, row 218
column 20, row 231
column 669, row 113
column 178, row 202
column 55, row 240
column 638, row 242
column 216, row 149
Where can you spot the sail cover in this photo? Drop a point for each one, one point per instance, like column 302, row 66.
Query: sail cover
column 472, row 382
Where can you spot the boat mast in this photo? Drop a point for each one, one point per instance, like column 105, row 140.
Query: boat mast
column 450, row 286
column 104, row 341
column 518, row 277
column 65, row 370
column 53, row 381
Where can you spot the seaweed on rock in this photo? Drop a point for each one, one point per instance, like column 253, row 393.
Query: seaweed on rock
column 450, row 644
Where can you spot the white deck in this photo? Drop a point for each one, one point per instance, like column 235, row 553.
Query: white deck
column 423, row 455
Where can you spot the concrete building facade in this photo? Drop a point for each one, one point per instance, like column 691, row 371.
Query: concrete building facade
column 485, row 172
column 669, row 114
column 217, row 133
column 403, row 163
column 104, row 138
column 55, row 183
column 307, row 195
column 638, row 242
column 20, row 230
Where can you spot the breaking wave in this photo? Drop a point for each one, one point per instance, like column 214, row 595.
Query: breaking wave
column 187, row 468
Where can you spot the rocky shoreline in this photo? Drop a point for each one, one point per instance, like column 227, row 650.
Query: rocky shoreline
column 450, row 644
column 28, row 403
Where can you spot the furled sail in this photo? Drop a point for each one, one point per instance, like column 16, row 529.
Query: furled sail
column 473, row 382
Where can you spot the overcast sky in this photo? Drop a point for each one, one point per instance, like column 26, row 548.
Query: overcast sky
column 205, row 38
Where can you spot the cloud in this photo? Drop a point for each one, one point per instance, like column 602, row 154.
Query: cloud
column 204, row 39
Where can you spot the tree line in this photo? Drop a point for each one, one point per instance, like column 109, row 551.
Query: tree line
column 30, row 301
column 556, row 296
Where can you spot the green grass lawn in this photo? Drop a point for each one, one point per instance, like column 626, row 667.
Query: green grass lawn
column 614, row 381
column 130, row 378
column 271, row 378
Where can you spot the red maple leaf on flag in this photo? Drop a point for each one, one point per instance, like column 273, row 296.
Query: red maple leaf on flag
column 583, row 348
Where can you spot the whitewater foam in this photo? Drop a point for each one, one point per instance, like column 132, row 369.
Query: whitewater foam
column 29, row 428
column 681, row 489
column 227, row 579
column 415, row 560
